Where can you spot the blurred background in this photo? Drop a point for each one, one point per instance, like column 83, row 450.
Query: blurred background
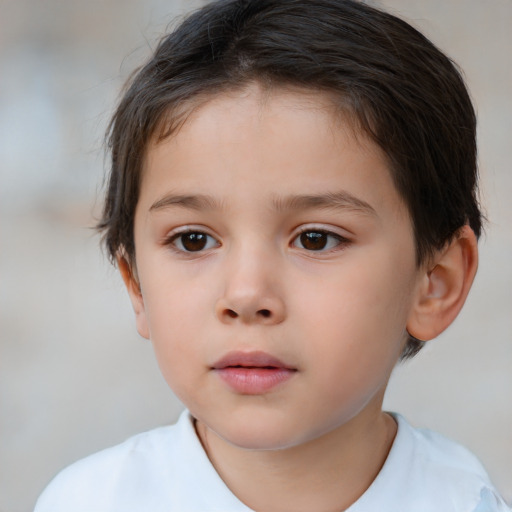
column 74, row 375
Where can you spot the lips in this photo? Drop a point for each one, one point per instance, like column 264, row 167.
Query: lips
column 252, row 373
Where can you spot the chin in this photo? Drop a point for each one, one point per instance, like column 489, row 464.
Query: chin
column 262, row 434
column 259, row 440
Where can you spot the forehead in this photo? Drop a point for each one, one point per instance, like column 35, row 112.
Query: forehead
column 284, row 137
column 256, row 101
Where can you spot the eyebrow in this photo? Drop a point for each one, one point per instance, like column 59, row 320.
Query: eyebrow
column 192, row 202
column 341, row 200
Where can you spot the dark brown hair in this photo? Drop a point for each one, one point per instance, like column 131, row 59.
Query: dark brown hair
column 403, row 92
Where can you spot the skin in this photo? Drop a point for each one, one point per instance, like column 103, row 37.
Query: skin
column 238, row 172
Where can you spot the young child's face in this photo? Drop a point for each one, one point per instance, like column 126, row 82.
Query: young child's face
column 276, row 264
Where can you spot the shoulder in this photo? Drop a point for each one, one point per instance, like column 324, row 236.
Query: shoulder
column 163, row 470
column 446, row 471
column 115, row 474
column 453, row 471
column 435, row 451
column 426, row 471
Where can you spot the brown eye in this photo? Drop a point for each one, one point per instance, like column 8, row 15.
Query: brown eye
column 313, row 240
column 193, row 241
column 318, row 240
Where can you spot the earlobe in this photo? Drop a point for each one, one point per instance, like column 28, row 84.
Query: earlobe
column 133, row 287
column 444, row 286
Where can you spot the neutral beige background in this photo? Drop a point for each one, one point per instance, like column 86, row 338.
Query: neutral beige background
column 74, row 376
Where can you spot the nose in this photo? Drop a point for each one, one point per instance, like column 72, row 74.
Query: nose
column 251, row 292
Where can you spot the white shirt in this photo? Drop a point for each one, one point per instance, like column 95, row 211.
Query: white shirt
column 167, row 470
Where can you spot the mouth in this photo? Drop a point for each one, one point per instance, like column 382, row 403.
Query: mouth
column 252, row 373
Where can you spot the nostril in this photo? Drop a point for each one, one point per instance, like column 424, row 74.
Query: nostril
column 265, row 313
column 231, row 313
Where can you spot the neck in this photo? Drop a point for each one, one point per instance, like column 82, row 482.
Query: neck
column 326, row 474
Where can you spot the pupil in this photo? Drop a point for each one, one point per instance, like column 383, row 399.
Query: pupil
column 194, row 241
column 313, row 241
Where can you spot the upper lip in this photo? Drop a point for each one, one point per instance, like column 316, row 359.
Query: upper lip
column 249, row 360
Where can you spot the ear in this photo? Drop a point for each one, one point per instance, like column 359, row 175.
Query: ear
column 132, row 285
column 444, row 286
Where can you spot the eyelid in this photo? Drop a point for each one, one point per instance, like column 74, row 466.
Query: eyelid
column 322, row 228
column 173, row 235
column 188, row 228
column 342, row 239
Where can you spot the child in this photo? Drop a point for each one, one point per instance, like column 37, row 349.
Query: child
column 292, row 207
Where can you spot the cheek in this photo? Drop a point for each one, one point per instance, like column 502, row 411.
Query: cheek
column 352, row 345
column 357, row 317
column 175, row 297
column 356, row 303
column 177, row 312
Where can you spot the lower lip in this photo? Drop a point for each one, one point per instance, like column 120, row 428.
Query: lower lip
column 254, row 381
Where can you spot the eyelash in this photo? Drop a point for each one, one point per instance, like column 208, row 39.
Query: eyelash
column 175, row 238
column 331, row 241
column 339, row 241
